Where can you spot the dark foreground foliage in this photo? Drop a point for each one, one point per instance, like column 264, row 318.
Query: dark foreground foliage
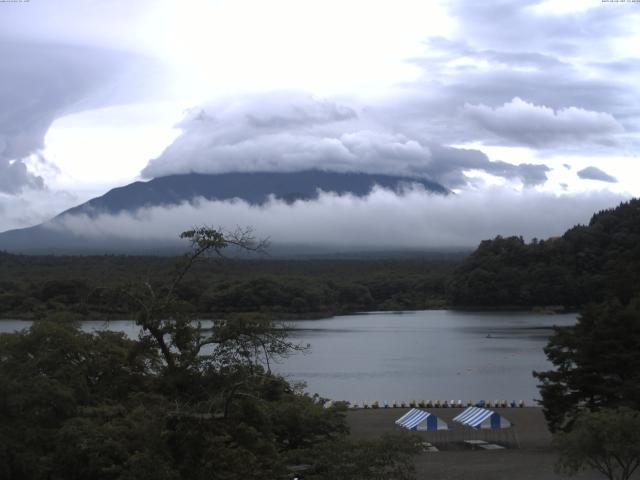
column 607, row 441
column 597, row 363
column 75, row 405
column 176, row 403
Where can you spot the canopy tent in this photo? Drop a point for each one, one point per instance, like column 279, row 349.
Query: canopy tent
column 421, row 420
column 476, row 417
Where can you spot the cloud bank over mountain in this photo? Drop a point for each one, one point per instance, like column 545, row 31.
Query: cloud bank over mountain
column 481, row 93
column 384, row 219
column 478, row 86
column 293, row 131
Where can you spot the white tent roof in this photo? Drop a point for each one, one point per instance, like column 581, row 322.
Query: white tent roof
column 421, row 420
column 477, row 417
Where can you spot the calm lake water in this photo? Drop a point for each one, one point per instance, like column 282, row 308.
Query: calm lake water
column 432, row 354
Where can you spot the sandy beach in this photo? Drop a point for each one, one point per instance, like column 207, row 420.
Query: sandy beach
column 533, row 460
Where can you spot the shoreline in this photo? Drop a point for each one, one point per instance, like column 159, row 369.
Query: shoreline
column 289, row 316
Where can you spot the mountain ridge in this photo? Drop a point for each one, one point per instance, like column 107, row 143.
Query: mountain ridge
column 253, row 187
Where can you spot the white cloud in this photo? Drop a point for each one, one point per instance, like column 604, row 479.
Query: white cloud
column 539, row 126
column 107, row 147
column 564, row 7
column 292, row 131
column 32, row 206
column 383, row 219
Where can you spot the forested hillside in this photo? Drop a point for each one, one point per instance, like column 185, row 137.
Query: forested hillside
column 587, row 264
column 95, row 286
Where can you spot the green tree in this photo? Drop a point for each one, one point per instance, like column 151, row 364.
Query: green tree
column 597, row 363
column 49, row 376
column 607, row 441
column 587, row 264
column 179, row 402
column 390, row 457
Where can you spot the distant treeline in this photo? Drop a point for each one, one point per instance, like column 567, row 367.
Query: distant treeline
column 95, row 286
column 587, row 264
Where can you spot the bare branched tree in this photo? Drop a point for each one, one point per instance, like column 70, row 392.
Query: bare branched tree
column 244, row 342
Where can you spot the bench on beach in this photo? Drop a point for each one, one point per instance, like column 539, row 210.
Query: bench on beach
column 491, row 446
column 475, row 444
column 428, row 447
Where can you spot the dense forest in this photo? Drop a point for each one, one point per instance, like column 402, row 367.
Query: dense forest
column 594, row 385
column 587, row 264
column 95, row 286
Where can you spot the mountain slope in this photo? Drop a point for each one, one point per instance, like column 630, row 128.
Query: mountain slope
column 253, row 187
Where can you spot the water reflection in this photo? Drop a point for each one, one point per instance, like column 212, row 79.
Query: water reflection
column 434, row 354
column 424, row 355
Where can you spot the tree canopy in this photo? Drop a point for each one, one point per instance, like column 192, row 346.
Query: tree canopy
column 90, row 287
column 179, row 402
column 587, row 264
column 597, row 363
column 607, row 441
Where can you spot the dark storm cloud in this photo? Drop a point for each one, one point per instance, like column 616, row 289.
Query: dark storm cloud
column 290, row 131
column 594, row 173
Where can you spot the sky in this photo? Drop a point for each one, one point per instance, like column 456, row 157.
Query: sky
column 528, row 111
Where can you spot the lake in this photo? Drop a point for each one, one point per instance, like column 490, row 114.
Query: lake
column 431, row 354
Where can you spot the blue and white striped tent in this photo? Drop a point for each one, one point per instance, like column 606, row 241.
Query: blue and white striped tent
column 421, row 420
column 476, row 417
